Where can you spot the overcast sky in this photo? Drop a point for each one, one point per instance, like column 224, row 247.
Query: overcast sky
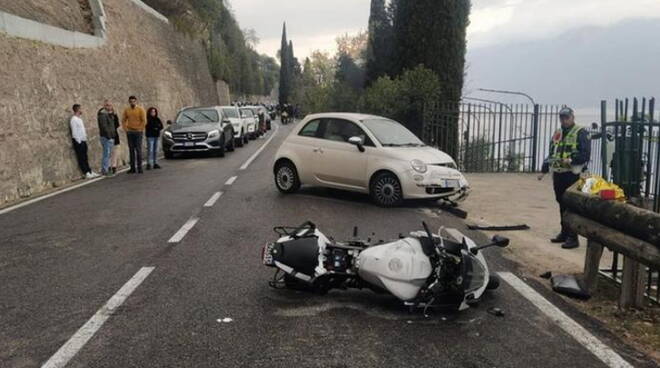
column 314, row 24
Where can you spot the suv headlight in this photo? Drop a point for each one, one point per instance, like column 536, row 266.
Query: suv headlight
column 419, row 166
column 214, row 133
column 168, row 134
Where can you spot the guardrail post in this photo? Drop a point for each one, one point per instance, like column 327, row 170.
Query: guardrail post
column 535, row 138
column 592, row 264
column 632, row 284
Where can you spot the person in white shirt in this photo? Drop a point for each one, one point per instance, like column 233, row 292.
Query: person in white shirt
column 79, row 138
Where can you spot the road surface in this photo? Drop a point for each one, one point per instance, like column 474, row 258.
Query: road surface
column 164, row 270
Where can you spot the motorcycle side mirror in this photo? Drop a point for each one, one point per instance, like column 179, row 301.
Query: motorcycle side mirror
column 500, row 241
column 169, row 122
column 496, row 241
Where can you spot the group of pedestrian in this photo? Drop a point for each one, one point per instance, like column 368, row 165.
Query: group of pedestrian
column 135, row 121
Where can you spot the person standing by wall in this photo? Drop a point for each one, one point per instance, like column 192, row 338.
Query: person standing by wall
column 134, row 121
column 79, row 140
column 153, row 129
column 107, row 121
column 570, row 152
column 116, row 150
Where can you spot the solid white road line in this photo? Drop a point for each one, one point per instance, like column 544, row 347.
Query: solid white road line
column 213, row 199
column 256, row 154
column 231, row 180
column 85, row 333
column 183, row 230
column 31, row 201
column 579, row 333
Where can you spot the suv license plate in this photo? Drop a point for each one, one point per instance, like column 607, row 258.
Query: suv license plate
column 189, row 144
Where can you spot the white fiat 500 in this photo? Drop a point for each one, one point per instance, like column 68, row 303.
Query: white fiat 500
column 368, row 154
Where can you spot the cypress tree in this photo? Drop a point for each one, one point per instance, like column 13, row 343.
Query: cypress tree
column 285, row 85
column 433, row 33
column 379, row 49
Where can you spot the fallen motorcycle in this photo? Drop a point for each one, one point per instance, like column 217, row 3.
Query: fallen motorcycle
column 423, row 270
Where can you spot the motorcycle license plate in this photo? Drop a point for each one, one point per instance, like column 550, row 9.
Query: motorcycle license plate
column 268, row 254
column 450, row 183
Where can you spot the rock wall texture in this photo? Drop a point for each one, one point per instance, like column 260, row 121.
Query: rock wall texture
column 39, row 83
column 72, row 15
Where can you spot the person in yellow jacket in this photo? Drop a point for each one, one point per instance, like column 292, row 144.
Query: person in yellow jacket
column 134, row 121
column 570, row 153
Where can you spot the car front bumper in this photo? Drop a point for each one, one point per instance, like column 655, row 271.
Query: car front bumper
column 210, row 144
column 436, row 183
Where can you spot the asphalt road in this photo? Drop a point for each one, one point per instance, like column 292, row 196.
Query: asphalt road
column 63, row 258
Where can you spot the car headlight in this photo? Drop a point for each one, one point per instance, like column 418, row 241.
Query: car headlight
column 168, row 134
column 214, row 133
column 419, row 166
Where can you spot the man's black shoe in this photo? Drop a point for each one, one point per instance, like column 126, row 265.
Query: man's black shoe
column 148, row 167
column 156, row 166
column 140, row 171
column 131, row 171
column 560, row 238
column 571, row 243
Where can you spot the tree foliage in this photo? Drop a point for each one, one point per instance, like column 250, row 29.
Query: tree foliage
column 379, row 50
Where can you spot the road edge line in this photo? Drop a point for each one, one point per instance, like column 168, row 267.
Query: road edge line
column 62, row 357
column 579, row 333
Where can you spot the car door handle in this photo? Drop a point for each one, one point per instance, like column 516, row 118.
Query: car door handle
column 318, row 150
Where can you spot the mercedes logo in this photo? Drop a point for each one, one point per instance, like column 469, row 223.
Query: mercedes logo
column 190, row 136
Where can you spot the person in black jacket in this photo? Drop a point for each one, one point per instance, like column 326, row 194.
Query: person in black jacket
column 153, row 129
column 107, row 121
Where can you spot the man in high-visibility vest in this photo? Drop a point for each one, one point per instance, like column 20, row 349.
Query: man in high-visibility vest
column 570, row 152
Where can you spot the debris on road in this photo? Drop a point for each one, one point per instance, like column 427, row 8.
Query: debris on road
column 570, row 286
column 499, row 228
column 546, row 275
column 497, row 312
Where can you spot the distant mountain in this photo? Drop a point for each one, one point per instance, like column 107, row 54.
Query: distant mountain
column 578, row 68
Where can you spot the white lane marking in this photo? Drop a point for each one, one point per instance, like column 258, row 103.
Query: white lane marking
column 214, row 198
column 579, row 333
column 85, row 333
column 231, row 180
column 58, row 192
column 256, row 154
column 184, row 230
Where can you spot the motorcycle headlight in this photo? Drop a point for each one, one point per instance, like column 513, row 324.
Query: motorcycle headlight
column 168, row 134
column 214, row 133
column 419, row 166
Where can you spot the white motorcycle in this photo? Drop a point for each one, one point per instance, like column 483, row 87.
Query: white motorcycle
column 422, row 270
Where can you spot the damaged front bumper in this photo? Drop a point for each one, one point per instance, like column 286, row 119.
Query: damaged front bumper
column 437, row 183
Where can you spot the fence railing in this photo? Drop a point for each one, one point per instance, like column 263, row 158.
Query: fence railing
column 492, row 137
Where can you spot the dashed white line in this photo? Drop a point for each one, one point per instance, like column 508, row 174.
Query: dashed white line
column 214, row 198
column 579, row 333
column 261, row 149
column 231, row 180
column 85, row 333
column 184, row 230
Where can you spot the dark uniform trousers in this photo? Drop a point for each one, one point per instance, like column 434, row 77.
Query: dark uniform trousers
column 561, row 182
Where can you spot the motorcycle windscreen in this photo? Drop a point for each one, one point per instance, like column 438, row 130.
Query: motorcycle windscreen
column 475, row 274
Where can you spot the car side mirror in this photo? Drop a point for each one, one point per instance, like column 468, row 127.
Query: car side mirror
column 226, row 121
column 357, row 141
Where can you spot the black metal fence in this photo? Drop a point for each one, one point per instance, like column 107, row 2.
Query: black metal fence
column 492, row 137
column 627, row 152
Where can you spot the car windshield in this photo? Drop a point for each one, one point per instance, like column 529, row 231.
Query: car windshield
column 201, row 116
column 392, row 134
column 230, row 113
column 248, row 112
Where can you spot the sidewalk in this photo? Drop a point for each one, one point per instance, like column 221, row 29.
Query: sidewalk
column 514, row 199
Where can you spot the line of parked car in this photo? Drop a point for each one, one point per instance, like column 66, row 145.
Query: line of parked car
column 214, row 129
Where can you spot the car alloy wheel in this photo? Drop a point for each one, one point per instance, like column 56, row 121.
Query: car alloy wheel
column 386, row 190
column 286, row 178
